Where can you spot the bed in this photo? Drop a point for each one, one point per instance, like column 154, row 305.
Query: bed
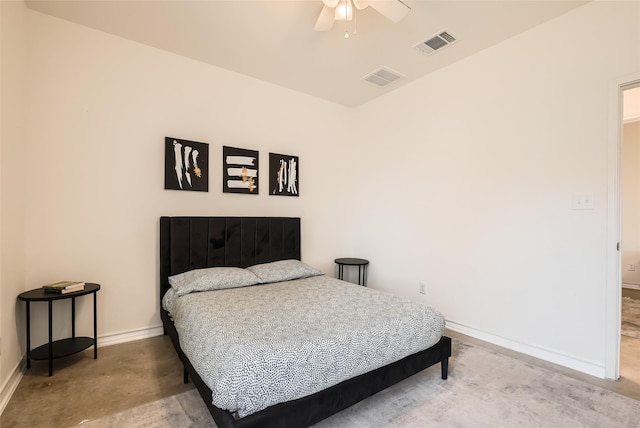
column 189, row 244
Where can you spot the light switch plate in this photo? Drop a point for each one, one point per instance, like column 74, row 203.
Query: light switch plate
column 582, row 201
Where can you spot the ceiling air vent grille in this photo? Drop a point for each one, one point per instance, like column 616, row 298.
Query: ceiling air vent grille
column 436, row 42
column 382, row 77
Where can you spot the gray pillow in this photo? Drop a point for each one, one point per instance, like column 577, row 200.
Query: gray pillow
column 283, row 270
column 216, row 278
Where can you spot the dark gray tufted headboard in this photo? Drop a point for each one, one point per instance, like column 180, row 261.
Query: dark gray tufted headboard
column 188, row 243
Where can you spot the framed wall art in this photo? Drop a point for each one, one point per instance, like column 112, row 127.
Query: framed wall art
column 186, row 165
column 240, row 170
column 284, row 174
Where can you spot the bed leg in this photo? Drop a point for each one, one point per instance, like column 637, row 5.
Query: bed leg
column 186, row 375
column 445, row 368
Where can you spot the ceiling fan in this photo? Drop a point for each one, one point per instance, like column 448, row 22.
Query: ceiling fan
column 344, row 10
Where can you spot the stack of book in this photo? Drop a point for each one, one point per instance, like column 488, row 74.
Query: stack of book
column 63, row 287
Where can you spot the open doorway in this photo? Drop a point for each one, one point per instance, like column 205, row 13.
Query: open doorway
column 630, row 234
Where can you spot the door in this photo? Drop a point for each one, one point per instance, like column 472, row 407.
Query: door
column 614, row 224
column 630, row 230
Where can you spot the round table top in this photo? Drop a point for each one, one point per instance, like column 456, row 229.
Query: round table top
column 38, row 294
column 352, row 261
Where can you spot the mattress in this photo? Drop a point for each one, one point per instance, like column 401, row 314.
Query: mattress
column 260, row 345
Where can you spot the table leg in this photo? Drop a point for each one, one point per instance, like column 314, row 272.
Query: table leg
column 359, row 274
column 50, row 339
column 340, row 271
column 95, row 326
column 28, row 334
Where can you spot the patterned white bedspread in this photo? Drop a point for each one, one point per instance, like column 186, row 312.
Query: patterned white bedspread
column 266, row 344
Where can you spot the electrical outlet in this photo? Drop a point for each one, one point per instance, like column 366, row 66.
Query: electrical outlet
column 421, row 288
column 632, row 268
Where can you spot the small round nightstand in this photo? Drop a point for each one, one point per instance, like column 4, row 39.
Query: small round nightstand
column 362, row 268
column 63, row 347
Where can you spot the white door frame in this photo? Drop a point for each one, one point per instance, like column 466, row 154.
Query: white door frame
column 614, row 280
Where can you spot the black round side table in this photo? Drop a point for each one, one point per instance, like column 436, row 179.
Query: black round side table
column 64, row 347
column 362, row 268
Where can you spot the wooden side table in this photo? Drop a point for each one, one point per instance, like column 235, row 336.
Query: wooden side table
column 64, row 347
column 362, row 268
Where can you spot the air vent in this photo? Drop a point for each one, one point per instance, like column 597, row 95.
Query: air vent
column 436, row 42
column 382, row 77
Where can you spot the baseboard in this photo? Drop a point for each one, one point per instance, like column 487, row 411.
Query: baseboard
column 630, row 286
column 573, row 363
column 129, row 336
column 12, row 383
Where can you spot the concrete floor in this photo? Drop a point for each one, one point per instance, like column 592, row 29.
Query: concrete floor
column 131, row 374
column 124, row 376
column 630, row 352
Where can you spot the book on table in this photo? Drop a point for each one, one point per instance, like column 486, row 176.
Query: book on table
column 64, row 287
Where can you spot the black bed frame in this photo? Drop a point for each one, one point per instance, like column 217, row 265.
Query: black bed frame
column 197, row 242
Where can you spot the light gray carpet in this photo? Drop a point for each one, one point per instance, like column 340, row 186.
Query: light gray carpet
column 630, row 317
column 484, row 389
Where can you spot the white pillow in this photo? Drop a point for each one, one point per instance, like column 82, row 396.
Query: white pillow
column 216, row 278
column 283, row 270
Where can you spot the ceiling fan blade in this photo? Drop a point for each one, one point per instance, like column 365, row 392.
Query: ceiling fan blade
column 325, row 20
column 331, row 3
column 394, row 10
column 361, row 4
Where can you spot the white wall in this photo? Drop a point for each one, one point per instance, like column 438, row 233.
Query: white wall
column 98, row 109
column 13, row 170
column 471, row 172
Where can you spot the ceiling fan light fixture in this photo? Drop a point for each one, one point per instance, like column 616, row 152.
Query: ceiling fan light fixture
column 344, row 11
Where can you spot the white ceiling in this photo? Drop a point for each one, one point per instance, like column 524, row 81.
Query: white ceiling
column 274, row 41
